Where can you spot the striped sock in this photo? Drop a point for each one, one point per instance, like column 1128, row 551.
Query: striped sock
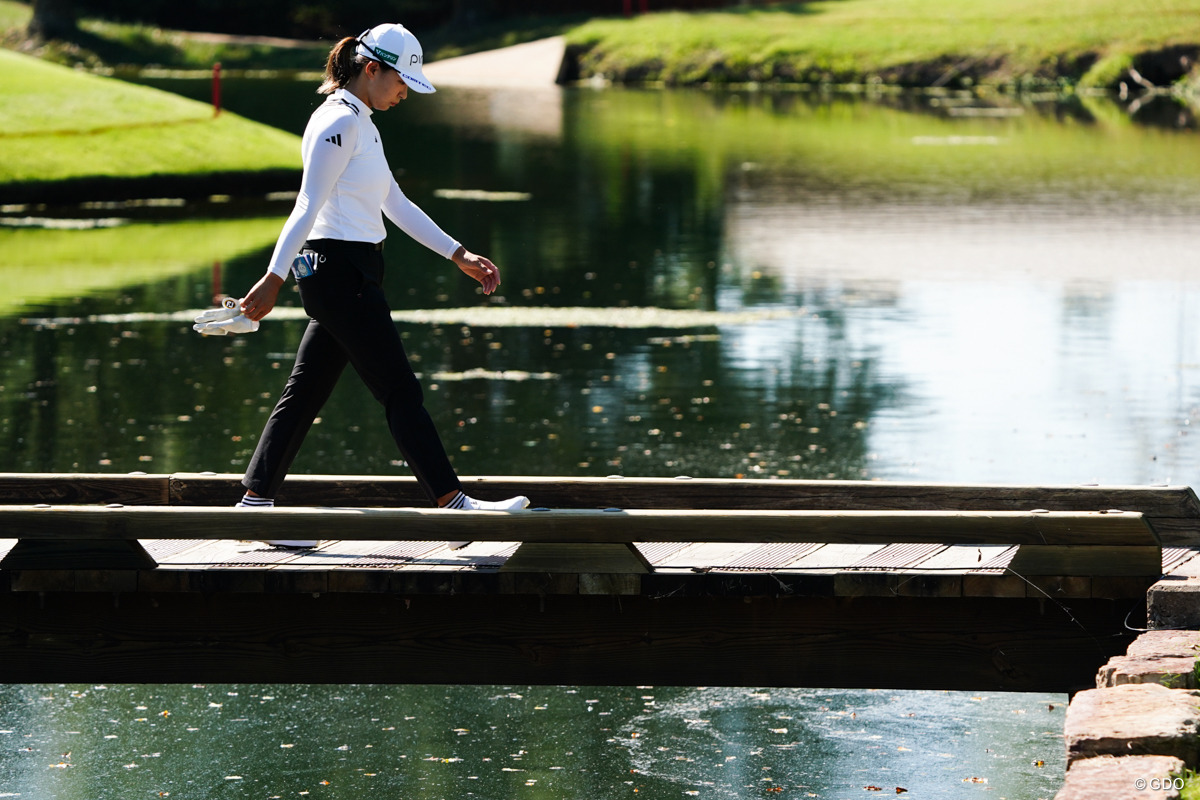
column 252, row 501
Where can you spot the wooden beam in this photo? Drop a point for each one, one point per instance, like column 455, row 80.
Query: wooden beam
column 981, row 644
column 28, row 488
column 577, row 525
column 567, row 492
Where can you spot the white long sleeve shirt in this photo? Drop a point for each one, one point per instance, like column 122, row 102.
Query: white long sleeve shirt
column 346, row 184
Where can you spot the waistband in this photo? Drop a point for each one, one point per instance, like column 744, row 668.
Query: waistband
column 342, row 244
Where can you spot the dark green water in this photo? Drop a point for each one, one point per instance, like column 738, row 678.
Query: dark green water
column 934, row 290
column 503, row 741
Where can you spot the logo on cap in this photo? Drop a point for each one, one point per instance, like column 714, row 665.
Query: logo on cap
column 387, row 55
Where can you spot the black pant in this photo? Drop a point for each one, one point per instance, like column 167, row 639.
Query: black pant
column 350, row 323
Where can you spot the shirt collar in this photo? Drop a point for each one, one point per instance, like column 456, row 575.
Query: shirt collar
column 346, row 96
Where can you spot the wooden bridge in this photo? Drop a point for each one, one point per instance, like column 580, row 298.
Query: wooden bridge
column 155, row 578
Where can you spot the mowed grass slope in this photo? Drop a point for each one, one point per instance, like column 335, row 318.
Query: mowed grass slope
column 897, row 41
column 60, row 124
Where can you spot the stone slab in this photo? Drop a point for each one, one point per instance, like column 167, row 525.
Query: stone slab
column 1109, row 778
column 1134, row 719
column 1166, row 644
column 1173, row 673
column 1174, row 602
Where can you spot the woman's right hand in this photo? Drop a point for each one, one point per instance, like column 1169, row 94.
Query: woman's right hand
column 261, row 298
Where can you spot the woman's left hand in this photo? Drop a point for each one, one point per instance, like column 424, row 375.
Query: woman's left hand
column 478, row 267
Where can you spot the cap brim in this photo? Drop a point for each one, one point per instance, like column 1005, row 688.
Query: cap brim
column 416, row 81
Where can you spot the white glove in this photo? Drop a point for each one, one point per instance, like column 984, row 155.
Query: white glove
column 223, row 321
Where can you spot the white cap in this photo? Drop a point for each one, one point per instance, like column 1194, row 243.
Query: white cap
column 394, row 45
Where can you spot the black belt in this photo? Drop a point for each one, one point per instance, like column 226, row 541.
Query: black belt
column 326, row 244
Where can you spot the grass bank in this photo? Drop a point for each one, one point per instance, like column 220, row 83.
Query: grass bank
column 919, row 43
column 909, row 43
column 67, row 132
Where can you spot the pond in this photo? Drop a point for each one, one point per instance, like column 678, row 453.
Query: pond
column 694, row 283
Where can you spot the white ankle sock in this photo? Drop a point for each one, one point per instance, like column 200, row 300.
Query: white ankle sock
column 253, row 501
column 464, row 503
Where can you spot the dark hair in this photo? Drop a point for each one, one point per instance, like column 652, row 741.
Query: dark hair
column 342, row 65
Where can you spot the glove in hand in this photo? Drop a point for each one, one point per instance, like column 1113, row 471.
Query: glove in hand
column 224, row 321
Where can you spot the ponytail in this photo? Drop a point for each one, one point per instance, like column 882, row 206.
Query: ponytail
column 342, row 65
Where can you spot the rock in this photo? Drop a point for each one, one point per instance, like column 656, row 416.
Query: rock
column 1173, row 673
column 1134, row 719
column 1166, row 644
column 1174, row 602
column 1109, row 778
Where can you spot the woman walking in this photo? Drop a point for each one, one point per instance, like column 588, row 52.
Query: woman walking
column 333, row 244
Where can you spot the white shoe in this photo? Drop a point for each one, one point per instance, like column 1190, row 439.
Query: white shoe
column 466, row 503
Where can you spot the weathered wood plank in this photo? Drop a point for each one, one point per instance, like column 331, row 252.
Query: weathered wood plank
column 27, row 488
column 635, row 525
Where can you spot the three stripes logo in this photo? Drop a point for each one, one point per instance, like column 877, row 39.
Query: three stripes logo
column 335, row 139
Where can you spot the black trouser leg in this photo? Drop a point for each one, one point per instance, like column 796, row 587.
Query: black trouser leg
column 319, row 363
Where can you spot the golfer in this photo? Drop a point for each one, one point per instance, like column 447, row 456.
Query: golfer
column 333, row 244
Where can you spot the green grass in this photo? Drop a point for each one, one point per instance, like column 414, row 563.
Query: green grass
column 899, row 41
column 1191, row 786
column 59, row 124
column 101, row 44
column 13, row 15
